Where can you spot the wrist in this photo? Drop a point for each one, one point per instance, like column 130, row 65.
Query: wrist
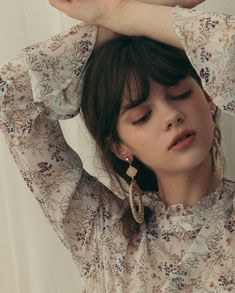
column 121, row 19
column 143, row 19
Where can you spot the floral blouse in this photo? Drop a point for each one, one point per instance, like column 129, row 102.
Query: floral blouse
column 182, row 249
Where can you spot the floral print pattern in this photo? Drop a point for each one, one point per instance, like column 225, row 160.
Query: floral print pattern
column 181, row 249
column 208, row 39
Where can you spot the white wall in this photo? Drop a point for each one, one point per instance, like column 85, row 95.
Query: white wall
column 32, row 259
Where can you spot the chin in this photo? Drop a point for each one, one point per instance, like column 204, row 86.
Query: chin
column 191, row 160
column 199, row 162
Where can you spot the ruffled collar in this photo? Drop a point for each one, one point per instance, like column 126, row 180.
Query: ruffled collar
column 178, row 210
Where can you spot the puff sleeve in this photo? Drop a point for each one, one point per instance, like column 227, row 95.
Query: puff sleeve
column 209, row 42
column 37, row 88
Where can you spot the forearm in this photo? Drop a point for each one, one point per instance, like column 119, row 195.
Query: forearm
column 153, row 21
column 104, row 35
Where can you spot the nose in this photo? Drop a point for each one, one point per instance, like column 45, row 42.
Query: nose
column 173, row 119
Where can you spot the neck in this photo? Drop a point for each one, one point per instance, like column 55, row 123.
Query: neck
column 188, row 187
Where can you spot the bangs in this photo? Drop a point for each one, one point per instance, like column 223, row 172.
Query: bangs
column 140, row 60
column 122, row 68
column 136, row 87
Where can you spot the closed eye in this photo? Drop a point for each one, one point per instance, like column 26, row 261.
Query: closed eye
column 143, row 119
column 146, row 117
column 183, row 96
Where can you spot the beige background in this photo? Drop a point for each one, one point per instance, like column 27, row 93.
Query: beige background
column 32, row 259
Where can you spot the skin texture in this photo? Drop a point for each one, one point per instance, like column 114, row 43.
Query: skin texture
column 128, row 17
column 96, row 11
column 182, row 175
column 173, row 3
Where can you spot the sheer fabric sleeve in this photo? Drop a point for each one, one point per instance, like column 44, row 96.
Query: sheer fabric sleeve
column 37, row 88
column 209, row 41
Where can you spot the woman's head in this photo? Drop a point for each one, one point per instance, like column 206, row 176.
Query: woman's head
column 138, row 94
column 147, row 130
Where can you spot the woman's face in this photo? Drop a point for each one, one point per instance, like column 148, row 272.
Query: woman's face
column 147, row 130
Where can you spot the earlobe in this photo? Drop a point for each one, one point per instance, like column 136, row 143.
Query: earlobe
column 121, row 151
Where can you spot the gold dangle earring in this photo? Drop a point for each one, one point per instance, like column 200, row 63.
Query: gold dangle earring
column 217, row 155
column 218, row 160
column 135, row 190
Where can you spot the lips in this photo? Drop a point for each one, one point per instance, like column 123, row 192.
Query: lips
column 180, row 136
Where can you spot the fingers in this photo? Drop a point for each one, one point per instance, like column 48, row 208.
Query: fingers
column 173, row 3
column 62, row 5
column 189, row 3
column 59, row 4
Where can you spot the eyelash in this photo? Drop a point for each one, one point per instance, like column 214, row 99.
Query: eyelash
column 183, row 96
column 145, row 118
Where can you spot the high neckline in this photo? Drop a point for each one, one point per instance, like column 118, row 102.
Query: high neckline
column 153, row 199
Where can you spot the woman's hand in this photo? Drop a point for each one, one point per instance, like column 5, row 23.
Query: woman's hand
column 97, row 11
column 128, row 17
column 89, row 11
column 173, row 3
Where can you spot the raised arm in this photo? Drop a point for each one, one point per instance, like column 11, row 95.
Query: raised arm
column 128, row 17
column 37, row 88
column 207, row 38
column 103, row 35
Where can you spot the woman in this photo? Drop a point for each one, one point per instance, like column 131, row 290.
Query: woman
column 185, row 243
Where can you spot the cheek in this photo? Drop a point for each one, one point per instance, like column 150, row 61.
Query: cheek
column 136, row 138
column 140, row 140
column 205, row 123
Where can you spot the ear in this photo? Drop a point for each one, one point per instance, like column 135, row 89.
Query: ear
column 121, row 151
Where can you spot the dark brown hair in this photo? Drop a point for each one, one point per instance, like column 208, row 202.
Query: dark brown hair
column 118, row 65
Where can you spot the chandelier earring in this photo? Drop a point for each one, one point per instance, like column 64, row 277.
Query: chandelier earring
column 134, row 190
column 216, row 153
column 218, row 160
